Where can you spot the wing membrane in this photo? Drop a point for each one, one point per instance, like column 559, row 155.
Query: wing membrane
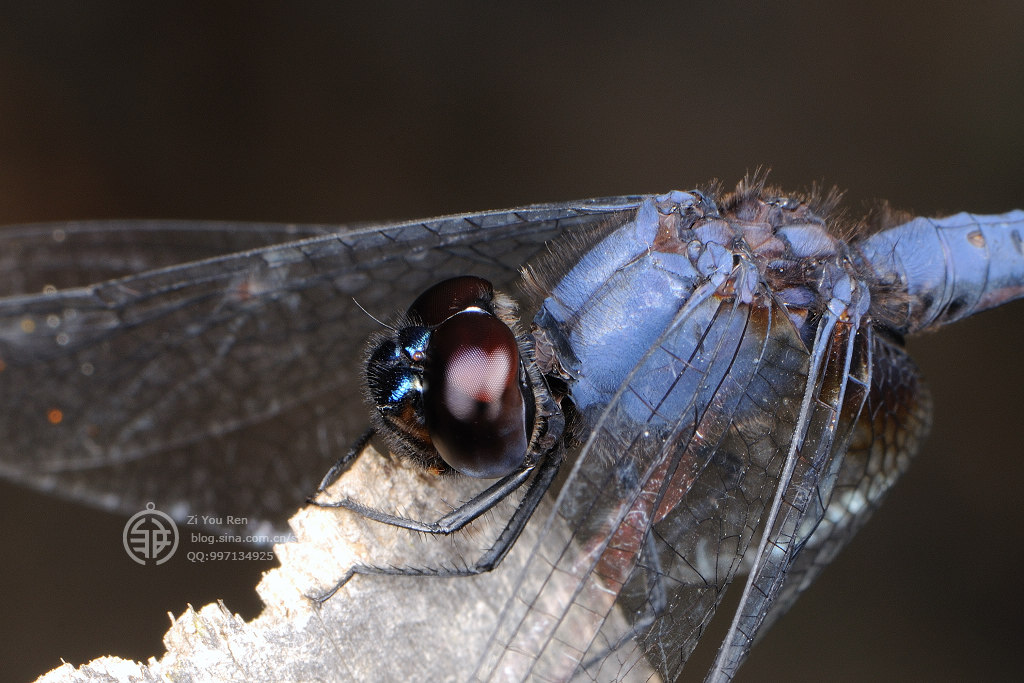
column 191, row 384
column 892, row 424
column 836, row 389
column 664, row 497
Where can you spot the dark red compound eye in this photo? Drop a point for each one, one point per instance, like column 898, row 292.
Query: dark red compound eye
column 472, row 403
column 449, row 297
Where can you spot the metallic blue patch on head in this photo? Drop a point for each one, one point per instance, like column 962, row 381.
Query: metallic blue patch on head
column 414, row 339
column 404, row 384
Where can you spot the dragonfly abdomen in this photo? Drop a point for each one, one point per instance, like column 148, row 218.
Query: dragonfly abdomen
column 933, row 271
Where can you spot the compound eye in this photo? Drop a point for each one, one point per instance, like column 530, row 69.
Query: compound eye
column 472, row 402
column 448, row 297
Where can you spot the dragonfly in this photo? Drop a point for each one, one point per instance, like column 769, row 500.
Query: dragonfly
column 715, row 384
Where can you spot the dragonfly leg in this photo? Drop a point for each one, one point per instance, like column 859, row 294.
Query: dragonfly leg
column 545, row 474
column 344, row 462
column 451, row 522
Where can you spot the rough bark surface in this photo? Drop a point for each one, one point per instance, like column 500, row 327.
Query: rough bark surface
column 379, row 628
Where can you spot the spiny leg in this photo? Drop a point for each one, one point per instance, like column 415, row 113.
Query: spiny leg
column 545, row 474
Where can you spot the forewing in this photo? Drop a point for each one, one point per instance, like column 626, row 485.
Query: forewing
column 83, row 253
column 663, row 499
column 887, row 435
column 836, row 388
column 224, row 386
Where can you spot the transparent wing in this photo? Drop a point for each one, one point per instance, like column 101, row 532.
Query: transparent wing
column 663, row 500
column 79, row 254
column 892, row 424
column 224, row 386
column 836, row 390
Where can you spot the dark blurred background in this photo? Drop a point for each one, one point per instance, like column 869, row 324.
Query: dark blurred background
column 321, row 113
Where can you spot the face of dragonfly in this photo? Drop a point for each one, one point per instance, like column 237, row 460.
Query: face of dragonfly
column 663, row 495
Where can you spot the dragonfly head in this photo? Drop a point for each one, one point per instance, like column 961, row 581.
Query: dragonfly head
column 450, row 386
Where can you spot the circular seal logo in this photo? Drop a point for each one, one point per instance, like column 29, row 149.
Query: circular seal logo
column 150, row 536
